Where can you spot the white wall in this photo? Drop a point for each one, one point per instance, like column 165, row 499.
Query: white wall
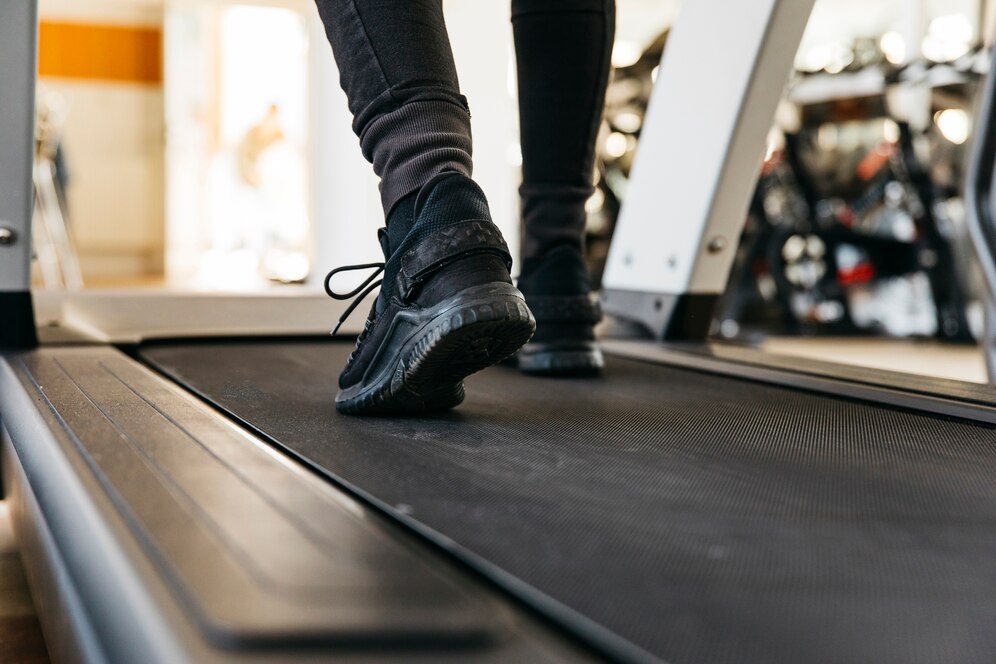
column 113, row 138
column 641, row 21
column 481, row 35
column 345, row 204
column 114, row 148
column 845, row 20
column 127, row 12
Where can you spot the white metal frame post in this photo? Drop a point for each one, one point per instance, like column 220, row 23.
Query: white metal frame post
column 18, row 38
column 722, row 75
column 980, row 199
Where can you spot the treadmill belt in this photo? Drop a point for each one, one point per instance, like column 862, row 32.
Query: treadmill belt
column 699, row 518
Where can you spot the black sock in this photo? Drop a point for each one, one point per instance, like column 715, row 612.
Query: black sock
column 400, row 220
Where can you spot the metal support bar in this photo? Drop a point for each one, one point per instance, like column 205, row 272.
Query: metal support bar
column 18, row 38
column 722, row 75
column 979, row 193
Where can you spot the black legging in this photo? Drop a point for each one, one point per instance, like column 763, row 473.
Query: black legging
column 396, row 66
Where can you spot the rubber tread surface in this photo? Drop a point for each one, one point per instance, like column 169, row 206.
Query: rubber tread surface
column 702, row 518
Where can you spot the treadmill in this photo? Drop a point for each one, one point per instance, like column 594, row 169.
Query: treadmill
column 183, row 490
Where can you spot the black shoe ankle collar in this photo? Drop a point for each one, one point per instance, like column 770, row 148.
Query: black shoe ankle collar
column 447, row 245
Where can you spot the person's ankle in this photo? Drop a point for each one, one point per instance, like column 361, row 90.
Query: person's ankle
column 399, row 221
column 452, row 200
column 448, row 200
column 464, row 195
column 559, row 270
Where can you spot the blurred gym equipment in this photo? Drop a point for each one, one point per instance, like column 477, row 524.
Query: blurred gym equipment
column 857, row 224
column 57, row 258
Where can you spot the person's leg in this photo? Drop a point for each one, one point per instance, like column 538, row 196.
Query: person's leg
column 563, row 53
column 396, row 67
column 447, row 307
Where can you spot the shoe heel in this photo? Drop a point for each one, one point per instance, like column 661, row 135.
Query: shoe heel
column 475, row 329
column 469, row 337
column 572, row 358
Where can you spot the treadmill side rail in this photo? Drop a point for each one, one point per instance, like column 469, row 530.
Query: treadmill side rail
column 187, row 537
column 937, row 396
column 55, row 516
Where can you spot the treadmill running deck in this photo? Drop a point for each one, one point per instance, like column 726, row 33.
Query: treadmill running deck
column 701, row 518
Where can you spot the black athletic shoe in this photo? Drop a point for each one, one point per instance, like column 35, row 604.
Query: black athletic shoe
column 447, row 307
column 558, row 292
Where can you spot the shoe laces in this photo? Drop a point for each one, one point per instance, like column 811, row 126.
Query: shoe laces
column 360, row 292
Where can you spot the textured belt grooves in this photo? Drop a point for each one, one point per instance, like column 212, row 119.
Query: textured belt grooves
column 702, row 518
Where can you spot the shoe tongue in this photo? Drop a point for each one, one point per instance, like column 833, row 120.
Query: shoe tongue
column 384, row 238
column 399, row 224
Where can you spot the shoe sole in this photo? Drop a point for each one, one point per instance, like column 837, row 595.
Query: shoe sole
column 472, row 330
column 561, row 358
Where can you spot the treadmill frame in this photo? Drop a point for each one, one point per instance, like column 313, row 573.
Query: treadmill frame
column 93, row 482
column 980, row 191
column 699, row 219
column 18, row 56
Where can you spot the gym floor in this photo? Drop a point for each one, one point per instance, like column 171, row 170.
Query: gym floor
column 928, row 358
column 20, row 635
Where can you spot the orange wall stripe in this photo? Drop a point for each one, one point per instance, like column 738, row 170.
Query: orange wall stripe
column 100, row 52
